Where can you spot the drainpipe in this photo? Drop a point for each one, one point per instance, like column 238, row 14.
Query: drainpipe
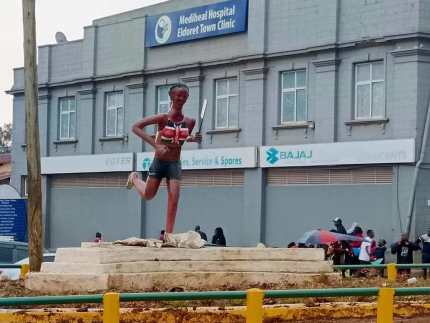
column 417, row 169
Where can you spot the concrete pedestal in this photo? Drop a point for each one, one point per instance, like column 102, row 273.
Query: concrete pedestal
column 104, row 267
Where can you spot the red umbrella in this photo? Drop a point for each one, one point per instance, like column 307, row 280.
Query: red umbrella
column 321, row 237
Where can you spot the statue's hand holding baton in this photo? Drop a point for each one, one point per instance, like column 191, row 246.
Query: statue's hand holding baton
column 198, row 136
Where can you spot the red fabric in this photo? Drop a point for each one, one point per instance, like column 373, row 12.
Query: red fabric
column 357, row 244
column 326, row 237
column 373, row 249
column 294, row 247
column 97, row 240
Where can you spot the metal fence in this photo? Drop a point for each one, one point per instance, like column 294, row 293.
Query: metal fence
column 254, row 299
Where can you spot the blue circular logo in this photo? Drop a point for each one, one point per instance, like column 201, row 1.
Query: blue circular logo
column 146, row 163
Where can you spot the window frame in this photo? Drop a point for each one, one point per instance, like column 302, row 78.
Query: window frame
column 370, row 82
column 68, row 112
column 158, row 97
column 24, row 189
column 294, row 89
column 226, row 96
column 116, row 107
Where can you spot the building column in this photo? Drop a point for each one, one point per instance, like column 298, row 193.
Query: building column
column 253, row 135
column 85, row 107
column 135, row 99
column 89, row 51
column 194, row 81
column 326, row 104
column 44, row 106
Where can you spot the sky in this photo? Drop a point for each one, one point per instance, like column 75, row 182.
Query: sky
column 67, row 16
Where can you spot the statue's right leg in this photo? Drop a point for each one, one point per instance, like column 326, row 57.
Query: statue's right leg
column 147, row 190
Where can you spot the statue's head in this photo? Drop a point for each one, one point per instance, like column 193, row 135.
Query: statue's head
column 178, row 94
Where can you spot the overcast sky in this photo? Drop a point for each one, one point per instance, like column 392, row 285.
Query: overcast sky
column 67, row 16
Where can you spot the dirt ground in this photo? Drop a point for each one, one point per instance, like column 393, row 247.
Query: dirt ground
column 418, row 319
column 17, row 289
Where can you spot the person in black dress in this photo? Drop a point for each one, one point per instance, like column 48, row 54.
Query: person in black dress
column 219, row 238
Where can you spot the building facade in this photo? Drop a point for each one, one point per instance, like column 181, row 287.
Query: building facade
column 316, row 110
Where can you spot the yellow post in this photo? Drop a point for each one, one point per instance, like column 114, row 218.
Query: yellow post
column 24, row 270
column 111, row 308
column 385, row 305
column 254, row 306
column 391, row 271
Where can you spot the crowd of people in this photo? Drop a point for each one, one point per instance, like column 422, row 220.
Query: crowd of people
column 369, row 251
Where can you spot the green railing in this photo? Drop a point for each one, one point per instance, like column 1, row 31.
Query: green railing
column 254, row 298
column 398, row 266
column 186, row 296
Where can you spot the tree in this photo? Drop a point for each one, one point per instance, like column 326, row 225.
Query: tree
column 6, row 138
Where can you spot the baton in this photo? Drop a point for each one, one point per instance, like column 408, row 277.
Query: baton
column 202, row 115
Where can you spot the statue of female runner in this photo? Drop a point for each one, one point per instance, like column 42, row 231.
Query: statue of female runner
column 173, row 130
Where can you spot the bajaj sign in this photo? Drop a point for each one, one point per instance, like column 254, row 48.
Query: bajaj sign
column 345, row 153
column 208, row 21
column 273, row 155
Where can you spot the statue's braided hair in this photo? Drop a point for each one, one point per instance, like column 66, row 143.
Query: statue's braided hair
column 179, row 86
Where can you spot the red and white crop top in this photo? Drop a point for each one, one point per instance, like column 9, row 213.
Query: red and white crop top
column 174, row 133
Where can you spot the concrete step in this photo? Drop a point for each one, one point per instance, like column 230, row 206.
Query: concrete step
column 112, row 254
column 57, row 283
column 190, row 266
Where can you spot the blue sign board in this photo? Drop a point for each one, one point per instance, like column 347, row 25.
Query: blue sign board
column 13, row 219
column 207, row 21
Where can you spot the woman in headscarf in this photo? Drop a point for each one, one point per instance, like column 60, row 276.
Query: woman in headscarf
column 219, row 238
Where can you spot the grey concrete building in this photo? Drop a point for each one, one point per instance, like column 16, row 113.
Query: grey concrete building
column 316, row 110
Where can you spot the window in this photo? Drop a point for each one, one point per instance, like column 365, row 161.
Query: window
column 114, row 114
column 48, row 258
column 369, row 90
column 25, row 186
column 293, row 97
column 226, row 104
column 163, row 99
column 67, row 118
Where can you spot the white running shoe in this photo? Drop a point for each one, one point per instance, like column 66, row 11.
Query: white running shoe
column 132, row 176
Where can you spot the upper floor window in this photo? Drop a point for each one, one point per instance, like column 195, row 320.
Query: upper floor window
column 227, row 112
column 24, row 186
column 114, row 114
column 163, row 99
column 67, row 118
column 293, row 97
column 369, row 90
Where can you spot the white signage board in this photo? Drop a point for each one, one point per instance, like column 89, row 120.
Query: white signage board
column 342, row 153
column 207, row 159
column 87, row 164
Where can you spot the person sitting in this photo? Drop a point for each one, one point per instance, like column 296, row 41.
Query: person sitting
column 292, row 245
column 202, row 234
column 162, row 235
column 219, row 238
column 98, row 237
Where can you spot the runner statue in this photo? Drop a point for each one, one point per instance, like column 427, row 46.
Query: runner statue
column 173, row 129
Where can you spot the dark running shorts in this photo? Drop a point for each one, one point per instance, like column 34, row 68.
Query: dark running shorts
column 163, row 169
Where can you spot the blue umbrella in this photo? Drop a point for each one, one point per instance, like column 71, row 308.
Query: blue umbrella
column 321, row 237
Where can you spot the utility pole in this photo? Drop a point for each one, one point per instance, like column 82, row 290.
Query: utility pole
column 35, row 246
